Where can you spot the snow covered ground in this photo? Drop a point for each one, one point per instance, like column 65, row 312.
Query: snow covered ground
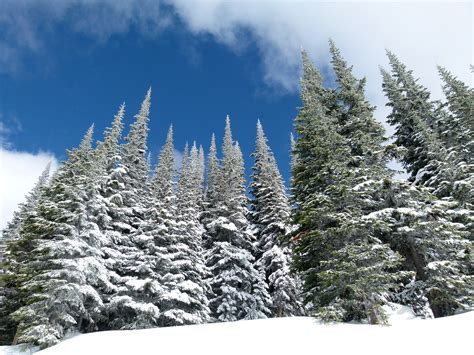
column 299, row 335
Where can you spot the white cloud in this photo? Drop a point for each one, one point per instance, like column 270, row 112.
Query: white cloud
column 422, row 34
column 19, row 172
column 25, row 24
column 4, row 131
column 3, row 128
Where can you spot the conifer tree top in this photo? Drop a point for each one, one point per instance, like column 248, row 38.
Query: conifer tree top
column 139, row 129
column 86, row 142
column 108, row 148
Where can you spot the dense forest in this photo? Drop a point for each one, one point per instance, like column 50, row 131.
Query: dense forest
column 109, row 242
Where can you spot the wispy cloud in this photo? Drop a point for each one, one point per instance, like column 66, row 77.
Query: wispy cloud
column 3, row 129
column 25, row 25
column 423, row 34
column 8, row 126
column 4, row 132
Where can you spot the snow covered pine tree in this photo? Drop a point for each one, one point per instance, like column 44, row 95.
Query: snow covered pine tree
column 8, row 269
column 338, row 171
column 58, row 274
column 435, row 216
column 239, row 290
column 270, row 214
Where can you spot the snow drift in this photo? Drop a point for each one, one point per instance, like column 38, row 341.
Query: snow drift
column 297, row 335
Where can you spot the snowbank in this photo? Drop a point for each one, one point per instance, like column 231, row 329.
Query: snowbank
column 298, row 335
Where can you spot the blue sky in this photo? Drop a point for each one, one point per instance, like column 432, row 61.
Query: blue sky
column 67, row 64
column 57, row 97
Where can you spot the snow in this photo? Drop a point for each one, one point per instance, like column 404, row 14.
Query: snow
column 223, row 222
column 409, row 211
column 23, row 349
column 137, row 284
column 379, row 214
column 123, row 226
column 419, row 176
column 296, row 335
column 363, row 184
column 176, row 295
column 399, row 313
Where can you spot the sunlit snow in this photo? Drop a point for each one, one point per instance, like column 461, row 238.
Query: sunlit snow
column 297, row 335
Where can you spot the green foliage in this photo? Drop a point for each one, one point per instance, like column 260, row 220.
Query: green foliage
column 348, row 272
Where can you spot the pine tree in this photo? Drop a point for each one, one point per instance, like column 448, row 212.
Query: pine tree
column 420, row 227
column 201, row 173
column 455, row 169
column 292, row 148
column 431, row 230
column 161, row 215
column 162, row 180
column 211, row 195
column 413, row 115
column 447, row 143
column 347, row 269
column 459, row 162
column 12, row 230
column 213, row 176
column 11, row 234
column 56, row 269
column 456, row 130
column 111, row 187
column 107, row 149
column 135, row 149
column 134, row 162
column 186, row 302
column 156, row 235
column 239, row 291
column 131, row 211
column 446, row 165
column 357, row 124
column 270, row 214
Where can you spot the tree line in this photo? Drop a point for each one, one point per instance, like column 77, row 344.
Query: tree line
column 363, row 237
column 110, row 242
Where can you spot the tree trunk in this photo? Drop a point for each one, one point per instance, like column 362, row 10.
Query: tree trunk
column 17, row 335
column 421, row 274
column 371, row 313
column 279, row 312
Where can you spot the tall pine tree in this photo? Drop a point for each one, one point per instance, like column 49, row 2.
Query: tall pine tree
column 134, row 302
column 347, row 269
column 270, row 214
column 57, row 271
column 186, row 300
column 8, row 291
column 239, row 290
column 430, row 229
